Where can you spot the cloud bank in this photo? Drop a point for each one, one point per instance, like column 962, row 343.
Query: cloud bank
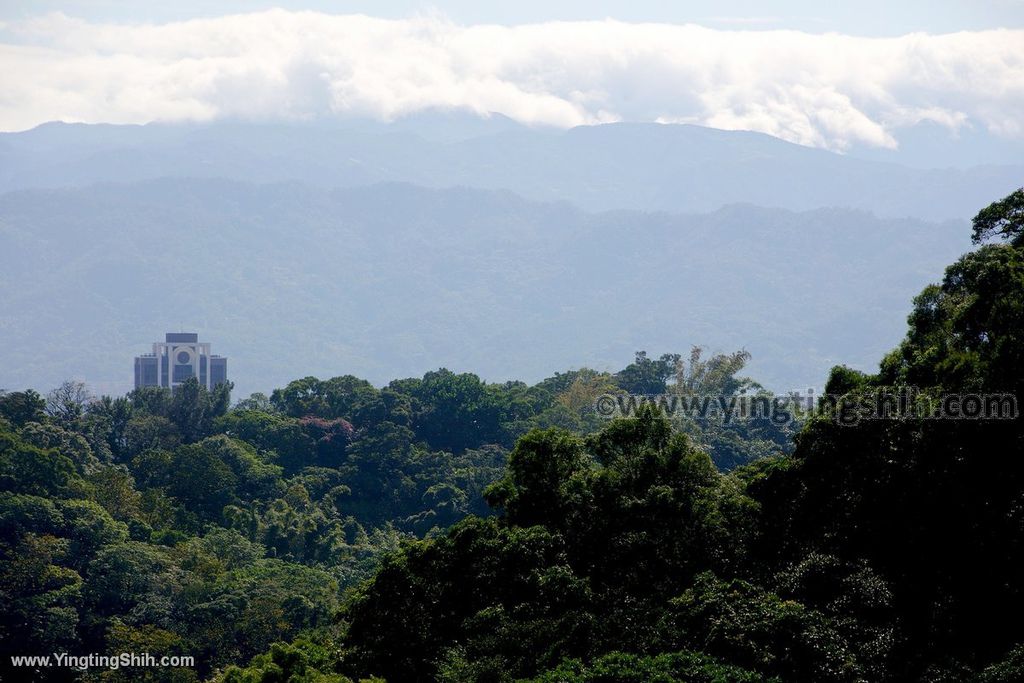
column 828, row 90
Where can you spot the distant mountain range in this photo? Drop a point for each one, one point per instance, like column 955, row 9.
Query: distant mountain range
column 390, row 280
column 645, row 167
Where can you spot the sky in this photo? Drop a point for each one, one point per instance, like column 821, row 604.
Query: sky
column 829, row 75
column 865, row 18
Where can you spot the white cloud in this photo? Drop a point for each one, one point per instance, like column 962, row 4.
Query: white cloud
column 743, row 20
column 825, row 90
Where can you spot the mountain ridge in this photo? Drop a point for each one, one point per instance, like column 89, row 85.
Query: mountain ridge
column 394, row 279
column 644, row 166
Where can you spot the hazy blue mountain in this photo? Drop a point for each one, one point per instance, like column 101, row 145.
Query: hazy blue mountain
column 393, row 280
column 646, row 167
column 931, row 145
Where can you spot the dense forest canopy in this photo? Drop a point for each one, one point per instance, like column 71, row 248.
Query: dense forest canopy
column 883, row 550
column 447, row 529
column 172, row 522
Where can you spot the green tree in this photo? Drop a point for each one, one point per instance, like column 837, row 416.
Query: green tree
column 647, row 375
column 67, row 404
column 22, row 407
column 1004, row 218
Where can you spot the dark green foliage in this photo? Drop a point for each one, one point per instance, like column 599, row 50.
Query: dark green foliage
column 25, row 468
column 164, row 520
column 340, row 397
column 932, row 506
column 648, row 376
column 270, row 432
column 579, row 563
column 1004, row 219
column 20, row 407
column 504, row 592
column 536, row 489
column 350, row 522
column 882, row 550
column 457, row 412
column 747, row 625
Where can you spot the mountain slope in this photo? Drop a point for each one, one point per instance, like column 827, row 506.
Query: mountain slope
column 393, row 280
column 679, row 168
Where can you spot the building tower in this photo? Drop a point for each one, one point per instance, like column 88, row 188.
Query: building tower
column 181, row 355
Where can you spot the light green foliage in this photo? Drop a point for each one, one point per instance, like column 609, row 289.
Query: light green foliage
column 678, row 667
column 299, row 662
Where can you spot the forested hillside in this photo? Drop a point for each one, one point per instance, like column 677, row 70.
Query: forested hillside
column 888, row 550
column 175, row 524
column 532, row 342
column 446, row 529
column 391, row 281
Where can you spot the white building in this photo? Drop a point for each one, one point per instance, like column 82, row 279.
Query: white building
column 181, row 355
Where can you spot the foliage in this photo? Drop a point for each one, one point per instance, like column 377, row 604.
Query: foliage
column 1004, row 218
column 676, row 667
column 445, row 528
column 881, row 550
